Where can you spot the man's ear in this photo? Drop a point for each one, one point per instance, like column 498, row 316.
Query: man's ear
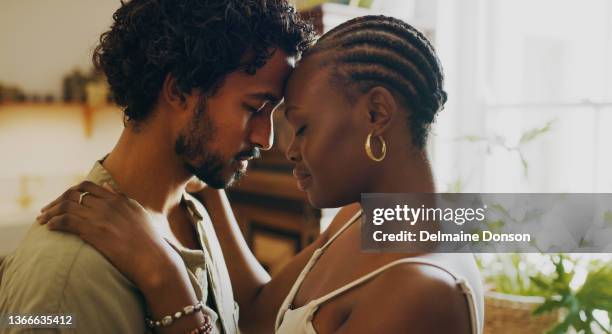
column 381, row 107
column 172, row 94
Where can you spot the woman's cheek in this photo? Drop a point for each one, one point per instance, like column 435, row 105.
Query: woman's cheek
column 318, row 155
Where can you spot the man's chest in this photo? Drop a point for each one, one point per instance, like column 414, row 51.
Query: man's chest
column 178, row 228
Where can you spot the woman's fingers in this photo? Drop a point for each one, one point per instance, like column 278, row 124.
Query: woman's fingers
column 61, row 208
column 74, row 193
column 88, row 209
column 67, row 223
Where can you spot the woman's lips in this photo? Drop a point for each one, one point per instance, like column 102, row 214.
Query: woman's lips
column 304, row 183
column 304, row 180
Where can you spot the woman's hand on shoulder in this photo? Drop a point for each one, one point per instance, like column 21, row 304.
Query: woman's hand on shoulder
column 116, row 226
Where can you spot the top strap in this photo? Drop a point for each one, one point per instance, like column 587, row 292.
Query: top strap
column 463, row 284
column 344, row 227
column 465, row 288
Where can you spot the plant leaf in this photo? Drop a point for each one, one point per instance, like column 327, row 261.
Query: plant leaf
column 534, row 133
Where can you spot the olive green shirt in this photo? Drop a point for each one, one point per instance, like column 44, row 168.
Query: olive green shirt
column 57, row 273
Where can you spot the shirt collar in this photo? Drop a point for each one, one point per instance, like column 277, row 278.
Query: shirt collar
column 99, row 175
column 193, row 206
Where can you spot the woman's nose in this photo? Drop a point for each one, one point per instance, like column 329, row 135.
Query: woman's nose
column 292, row 153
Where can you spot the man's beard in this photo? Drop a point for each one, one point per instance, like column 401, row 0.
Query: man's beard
column 194, row 147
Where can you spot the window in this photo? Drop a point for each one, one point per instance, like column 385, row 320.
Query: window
column 530, row 92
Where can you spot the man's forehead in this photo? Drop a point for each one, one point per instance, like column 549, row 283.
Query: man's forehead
column 274, row 93
column 268, row 82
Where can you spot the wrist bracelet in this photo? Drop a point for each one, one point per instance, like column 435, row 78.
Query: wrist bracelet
column 169, row 319
column 204, row 329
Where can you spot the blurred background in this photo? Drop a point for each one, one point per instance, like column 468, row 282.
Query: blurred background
column 530, row 102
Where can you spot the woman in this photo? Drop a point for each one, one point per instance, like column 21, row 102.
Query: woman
column 373, row 80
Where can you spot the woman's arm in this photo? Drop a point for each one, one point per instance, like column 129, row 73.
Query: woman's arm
column 168, row 291
column 258, row 295
column 111, row 223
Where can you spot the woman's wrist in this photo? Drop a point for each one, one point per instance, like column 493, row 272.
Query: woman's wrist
column 169, row 292
column 160, row 274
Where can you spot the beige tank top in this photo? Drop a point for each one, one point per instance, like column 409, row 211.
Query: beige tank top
column 299, row 320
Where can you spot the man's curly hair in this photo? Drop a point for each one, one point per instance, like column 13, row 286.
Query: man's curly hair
column 199, row 42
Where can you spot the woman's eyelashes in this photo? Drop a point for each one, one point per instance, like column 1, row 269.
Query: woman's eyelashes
column 266, row 106
column 300, row 130
column 251, row 109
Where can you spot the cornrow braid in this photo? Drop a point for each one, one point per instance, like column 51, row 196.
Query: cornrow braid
column 372, row 51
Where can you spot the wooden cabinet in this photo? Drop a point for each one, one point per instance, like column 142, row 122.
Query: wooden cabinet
column 274, row 216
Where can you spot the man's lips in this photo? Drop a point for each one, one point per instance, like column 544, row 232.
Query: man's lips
column 242, row 162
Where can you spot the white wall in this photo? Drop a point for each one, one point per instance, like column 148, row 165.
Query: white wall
column 43, row 148
column 43, row 40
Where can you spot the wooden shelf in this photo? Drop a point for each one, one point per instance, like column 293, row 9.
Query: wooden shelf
column 268, row 203
column 86, row 111
column 55, row 104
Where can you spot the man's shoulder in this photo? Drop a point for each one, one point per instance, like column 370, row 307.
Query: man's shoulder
column 41, row 254
column 54, row 252
column 47, row 263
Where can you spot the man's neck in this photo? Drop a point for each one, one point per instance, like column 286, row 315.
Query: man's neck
column 145, row 169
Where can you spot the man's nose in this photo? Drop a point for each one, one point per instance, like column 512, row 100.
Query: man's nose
column 262, row 131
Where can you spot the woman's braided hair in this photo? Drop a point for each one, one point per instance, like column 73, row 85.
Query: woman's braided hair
column 372, row 51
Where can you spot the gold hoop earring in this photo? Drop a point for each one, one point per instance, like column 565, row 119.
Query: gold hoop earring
column 368, row 148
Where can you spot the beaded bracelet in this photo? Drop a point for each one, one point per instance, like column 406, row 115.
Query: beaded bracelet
column 204, row 329
column 169, row 319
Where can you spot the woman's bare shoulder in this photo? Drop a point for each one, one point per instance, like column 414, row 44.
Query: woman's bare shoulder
column 420, row 299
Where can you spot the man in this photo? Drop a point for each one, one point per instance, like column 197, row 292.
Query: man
column 198, row 81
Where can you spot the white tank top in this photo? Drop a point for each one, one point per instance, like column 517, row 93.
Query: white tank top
column 299, row 320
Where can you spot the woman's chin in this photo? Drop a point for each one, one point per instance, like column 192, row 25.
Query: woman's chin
column 318, row 201
column 313, row 199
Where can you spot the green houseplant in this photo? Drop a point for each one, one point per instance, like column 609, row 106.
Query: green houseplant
column 577, row 305
column 512, row 297
column 553, row 301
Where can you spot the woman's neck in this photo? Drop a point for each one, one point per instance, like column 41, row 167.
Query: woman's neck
column 409, row 174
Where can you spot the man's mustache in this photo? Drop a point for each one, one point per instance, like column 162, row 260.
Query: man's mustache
column 253, row 153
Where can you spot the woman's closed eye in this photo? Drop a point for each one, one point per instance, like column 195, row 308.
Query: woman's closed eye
column 300, row 130
column 251, row 109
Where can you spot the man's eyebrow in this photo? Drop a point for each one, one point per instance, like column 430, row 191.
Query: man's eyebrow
column 266, row 97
